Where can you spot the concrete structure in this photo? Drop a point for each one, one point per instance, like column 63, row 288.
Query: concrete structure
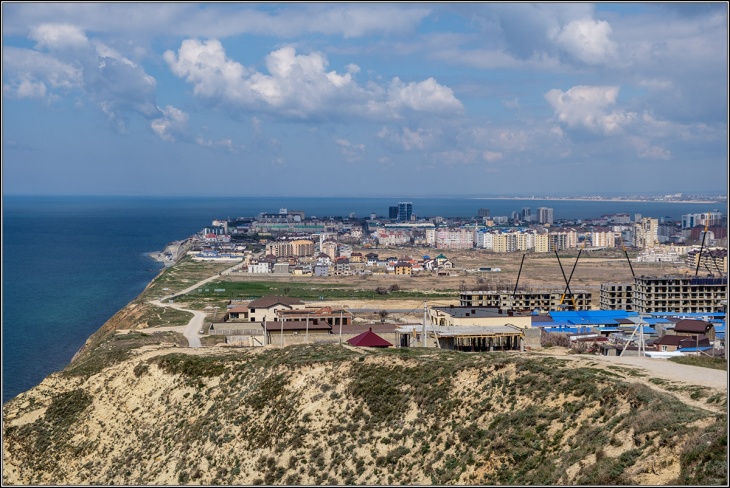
column 476, row 316
column 617, row 296
column 463, row 338
column 525, row 299
column 679, row 294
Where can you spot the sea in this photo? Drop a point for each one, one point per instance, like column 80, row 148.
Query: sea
column 71, row 262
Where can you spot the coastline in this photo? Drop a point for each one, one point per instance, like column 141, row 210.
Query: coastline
column 578, row 199
column 172, row 252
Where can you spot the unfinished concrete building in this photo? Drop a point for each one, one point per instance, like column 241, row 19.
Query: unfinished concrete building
column 679, row 294
column 685, row 294
column 617, row 296
column 545, row 301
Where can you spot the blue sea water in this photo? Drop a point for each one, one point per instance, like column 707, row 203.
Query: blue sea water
column 70, row 263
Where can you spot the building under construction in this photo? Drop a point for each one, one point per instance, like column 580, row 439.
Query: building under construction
column 531, row 299
column 685, row 294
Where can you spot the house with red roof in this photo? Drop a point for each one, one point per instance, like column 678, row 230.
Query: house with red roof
column 369, row 339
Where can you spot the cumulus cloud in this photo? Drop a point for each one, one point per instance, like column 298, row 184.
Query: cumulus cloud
column 299, row 85
column 171, row 123
column 424, row 96
column 587, row 107
column 58, row 36
column 118, row 86
column 587, row 40
column 32, row 74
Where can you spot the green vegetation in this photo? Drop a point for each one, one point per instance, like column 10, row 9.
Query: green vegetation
column 325, row 414
column 183, row 274
column 305, row 290
column 113, row 348
column 702, row 361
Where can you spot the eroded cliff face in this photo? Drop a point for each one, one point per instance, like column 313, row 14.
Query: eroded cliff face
column 330, row 414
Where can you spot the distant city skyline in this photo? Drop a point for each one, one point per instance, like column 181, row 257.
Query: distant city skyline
column 396, row 100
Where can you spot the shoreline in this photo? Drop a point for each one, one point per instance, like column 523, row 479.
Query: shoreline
column 578, row 199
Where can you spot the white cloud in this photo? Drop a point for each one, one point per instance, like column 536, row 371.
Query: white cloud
column 58, row 36
column 587, row 40
column 31, row 74
column 173, row 122
column 225, row 143
column 299, row 85
column 587, row 107
column 424, row 96
column 409, row 139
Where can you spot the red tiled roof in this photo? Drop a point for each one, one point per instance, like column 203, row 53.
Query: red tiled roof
column 238, row 309
column 368, row 339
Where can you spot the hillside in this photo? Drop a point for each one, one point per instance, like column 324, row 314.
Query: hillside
column 138, row 410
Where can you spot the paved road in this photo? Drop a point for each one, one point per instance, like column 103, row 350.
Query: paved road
column 191, row 331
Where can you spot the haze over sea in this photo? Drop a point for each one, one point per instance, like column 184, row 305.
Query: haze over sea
column 70, row 263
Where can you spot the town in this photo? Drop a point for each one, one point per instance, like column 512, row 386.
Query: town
column 681, row 311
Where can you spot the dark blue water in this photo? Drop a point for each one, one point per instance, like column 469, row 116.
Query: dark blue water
column 70, row 263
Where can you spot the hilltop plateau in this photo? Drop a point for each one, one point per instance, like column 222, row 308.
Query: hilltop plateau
column 331, row 414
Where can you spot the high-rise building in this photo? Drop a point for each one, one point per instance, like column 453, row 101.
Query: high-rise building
column 526, row 214
column 646, row 233
column 393, row 213
column 545, row 215
column 483, row 212
column 405, row 210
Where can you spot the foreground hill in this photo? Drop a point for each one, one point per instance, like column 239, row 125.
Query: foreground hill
column 328, row 414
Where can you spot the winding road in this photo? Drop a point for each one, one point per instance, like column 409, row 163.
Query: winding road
column 196, row 323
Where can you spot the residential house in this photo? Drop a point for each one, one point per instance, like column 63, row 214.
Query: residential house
column 264, row 308
column 689, row 327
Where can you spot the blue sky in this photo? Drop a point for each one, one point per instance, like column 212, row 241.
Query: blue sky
column 381, row 99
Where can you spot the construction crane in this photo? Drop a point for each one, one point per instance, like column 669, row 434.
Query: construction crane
column 567, row 281
column 627, row 257
column 699, row 258
column 514, row 293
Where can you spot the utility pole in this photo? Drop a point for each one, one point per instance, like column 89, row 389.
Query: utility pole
column 340, row 326
column 282, row 331
column 306, row 332
column 425, row 316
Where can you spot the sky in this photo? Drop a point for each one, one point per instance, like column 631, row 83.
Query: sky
column 365, row 99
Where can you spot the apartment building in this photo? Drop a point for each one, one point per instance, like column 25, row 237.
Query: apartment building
column 646, row 233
